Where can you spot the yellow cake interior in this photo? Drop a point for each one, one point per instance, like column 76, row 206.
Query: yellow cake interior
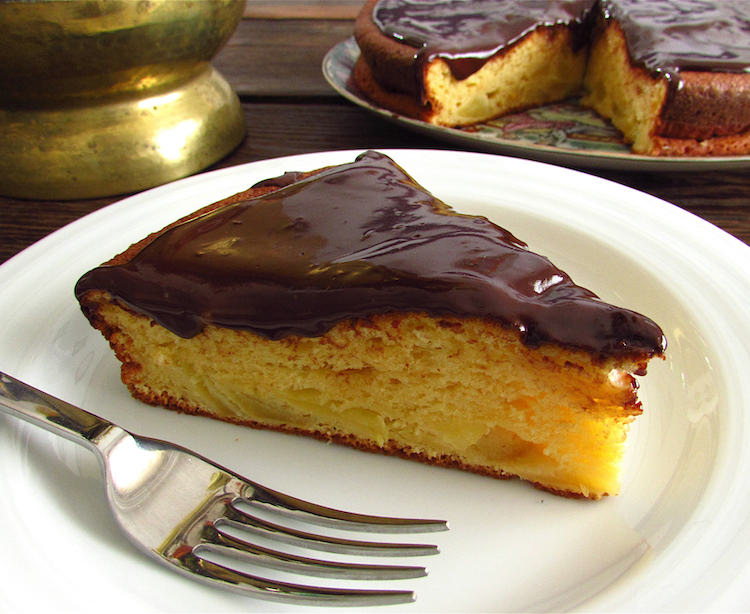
column 543, row 68
column 463, row 393
column 624, row 93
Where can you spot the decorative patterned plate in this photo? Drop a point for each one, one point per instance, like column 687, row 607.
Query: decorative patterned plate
column 564, row 133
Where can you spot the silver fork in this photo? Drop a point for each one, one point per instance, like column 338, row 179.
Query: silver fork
column 188, row 513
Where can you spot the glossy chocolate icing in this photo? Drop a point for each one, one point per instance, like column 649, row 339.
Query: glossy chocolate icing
column 281, row 181
column 467, row 33
column 664, row 36
column 352, row 241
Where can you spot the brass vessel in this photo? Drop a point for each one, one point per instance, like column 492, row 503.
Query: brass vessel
column 105, row 97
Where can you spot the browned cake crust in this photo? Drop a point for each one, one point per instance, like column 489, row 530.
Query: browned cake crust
column 404, row 104
column 708, row 105
column 708, row 115
column 390, row 61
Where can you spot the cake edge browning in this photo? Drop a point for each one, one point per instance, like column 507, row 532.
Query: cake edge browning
column 393, row 61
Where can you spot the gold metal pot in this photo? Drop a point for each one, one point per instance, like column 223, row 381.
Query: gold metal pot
column 104, row 97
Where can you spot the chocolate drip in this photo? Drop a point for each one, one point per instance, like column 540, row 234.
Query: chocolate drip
column 353, row 241
column 665, row 36
column 280, row 182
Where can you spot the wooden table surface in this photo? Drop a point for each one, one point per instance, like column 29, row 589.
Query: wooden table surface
column 273, row 61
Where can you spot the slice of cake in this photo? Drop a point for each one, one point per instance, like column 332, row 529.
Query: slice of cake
column 672, row 75
column 350, row 304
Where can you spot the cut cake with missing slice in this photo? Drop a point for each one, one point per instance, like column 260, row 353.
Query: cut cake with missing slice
column 672, row 75
column 350, row 304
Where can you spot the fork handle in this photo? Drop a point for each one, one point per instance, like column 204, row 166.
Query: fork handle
column 39, row 408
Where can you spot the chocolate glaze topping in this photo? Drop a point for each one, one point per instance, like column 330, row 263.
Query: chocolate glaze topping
column 662, row 35
column 467, row 33
column 280, row 182
column 666, row 36
column 353, row 241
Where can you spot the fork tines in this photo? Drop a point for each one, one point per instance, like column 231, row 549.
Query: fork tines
column 231, row 546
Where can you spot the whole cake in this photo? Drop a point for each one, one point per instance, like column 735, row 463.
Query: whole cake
column 350, row 304
column 672, row 75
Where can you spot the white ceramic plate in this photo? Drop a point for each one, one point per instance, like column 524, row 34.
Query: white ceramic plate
column 562, row 133
column 677, row 538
